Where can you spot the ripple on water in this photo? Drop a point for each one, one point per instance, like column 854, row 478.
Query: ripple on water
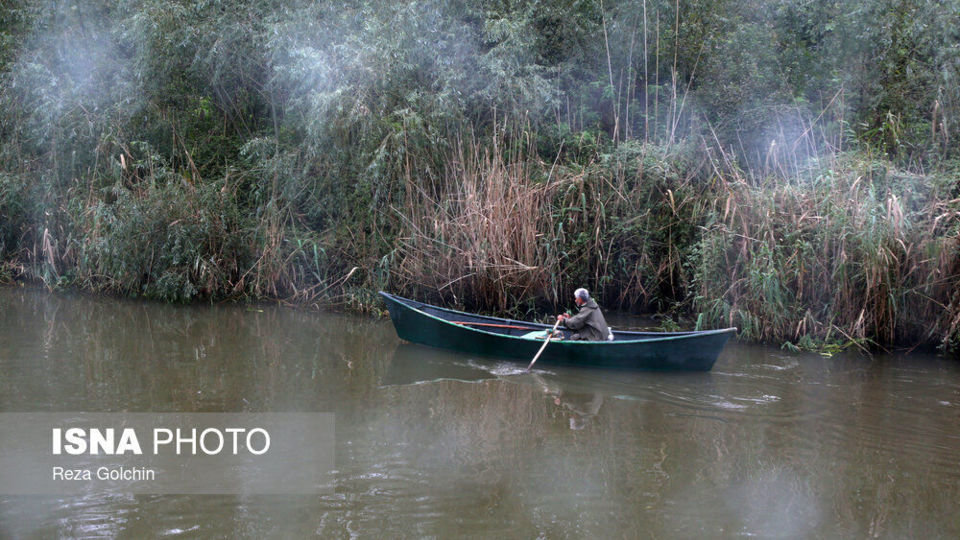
column 500, row 369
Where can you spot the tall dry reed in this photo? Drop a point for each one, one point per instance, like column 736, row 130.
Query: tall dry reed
column 485, row 237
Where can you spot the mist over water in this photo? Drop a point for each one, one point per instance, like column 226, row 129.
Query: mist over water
column 768, row 444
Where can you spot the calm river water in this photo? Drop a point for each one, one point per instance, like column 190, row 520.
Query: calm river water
column 768, row 444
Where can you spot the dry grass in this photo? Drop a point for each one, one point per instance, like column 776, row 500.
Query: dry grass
column 485, row 237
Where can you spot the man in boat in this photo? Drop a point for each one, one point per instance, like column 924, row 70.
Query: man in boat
column 589, row 323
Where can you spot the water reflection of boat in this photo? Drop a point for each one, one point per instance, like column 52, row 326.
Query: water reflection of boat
column 579, row 394
column 491, row 336
column 581, row 407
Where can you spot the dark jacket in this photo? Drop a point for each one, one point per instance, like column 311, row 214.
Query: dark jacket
column 589, row 323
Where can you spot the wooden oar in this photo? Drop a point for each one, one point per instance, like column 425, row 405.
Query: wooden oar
column 544, row 346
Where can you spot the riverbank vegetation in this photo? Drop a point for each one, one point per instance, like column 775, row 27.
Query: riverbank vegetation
column 789, row 168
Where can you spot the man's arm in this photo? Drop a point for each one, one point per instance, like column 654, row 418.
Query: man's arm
column 577, row 321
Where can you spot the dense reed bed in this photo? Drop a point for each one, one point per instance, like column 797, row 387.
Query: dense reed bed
column 854, row 253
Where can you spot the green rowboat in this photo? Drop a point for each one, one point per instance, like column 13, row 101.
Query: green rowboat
column 492, row 336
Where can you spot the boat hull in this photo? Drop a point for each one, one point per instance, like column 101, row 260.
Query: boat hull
column 489, row 336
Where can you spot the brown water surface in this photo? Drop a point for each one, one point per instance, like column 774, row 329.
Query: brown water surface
column 431, row 443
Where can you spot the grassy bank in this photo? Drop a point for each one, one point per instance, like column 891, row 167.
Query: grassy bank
column 853, row 252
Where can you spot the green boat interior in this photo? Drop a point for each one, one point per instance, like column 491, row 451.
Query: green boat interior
column 511, row 327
